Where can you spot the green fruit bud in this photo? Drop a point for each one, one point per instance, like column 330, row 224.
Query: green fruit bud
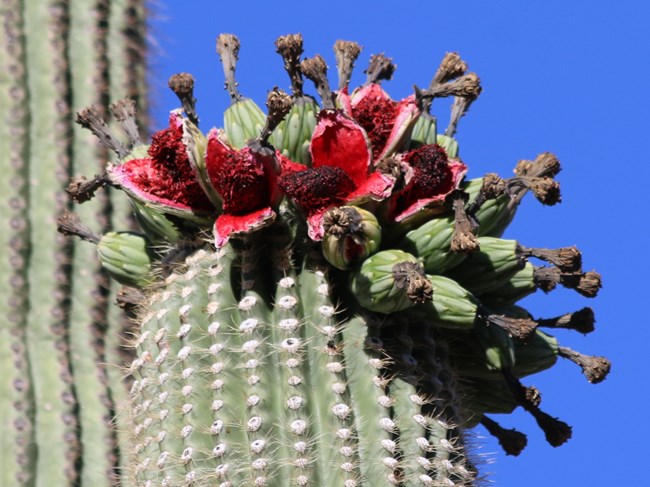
column 243, row 120
column 293, row 134
column 496, row 261
column 449, row 144
column 126, row 257
column 390, row 281
column 154, row 223
column 498, row 347
column 432, row 243
column 424, row 131
column 351, row 235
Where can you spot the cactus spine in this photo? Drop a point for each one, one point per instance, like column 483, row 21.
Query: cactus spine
column 57, row 407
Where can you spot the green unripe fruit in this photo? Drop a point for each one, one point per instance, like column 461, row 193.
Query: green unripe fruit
column 351, row 234
column 154, row 223
column 452, row 306
column 292, row 136
column 498, row 347
column 449, row 144
column 496, row 261
column 489, row 396
column 126, row 257
column 243, row 120
column 431, row 242
column 390, row 281
column 424, row 131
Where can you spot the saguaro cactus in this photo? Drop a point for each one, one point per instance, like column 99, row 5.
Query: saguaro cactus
column 321, row 297
column 56, row 406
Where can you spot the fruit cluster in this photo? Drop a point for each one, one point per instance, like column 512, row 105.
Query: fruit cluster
column 322, row 297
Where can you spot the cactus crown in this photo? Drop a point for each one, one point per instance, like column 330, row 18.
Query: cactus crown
column 321, row 297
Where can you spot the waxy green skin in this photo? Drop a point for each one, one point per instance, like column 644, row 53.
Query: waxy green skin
column 316, row 402
column 57, row 329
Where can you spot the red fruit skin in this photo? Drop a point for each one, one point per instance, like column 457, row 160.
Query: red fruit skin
column 247, row 181
column 165, row 179
column 341, row 171
column 388, row 123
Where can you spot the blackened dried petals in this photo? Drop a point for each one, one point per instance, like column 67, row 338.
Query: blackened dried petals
column 567, row 259
column 290, row 47
column 315, row 69
column 419, row 289
column 411, row 276
column 451, row 67
column 547, row 278
column 545, row 164
column 124, row 112
column 81, row 189
column 380, row 68
column 546, row 190
column 182, row 84
column 521, row 328
column 91, row 118
column 346, row 53
column 342, row 221
column 69, row 224
column 587, row 284
column 463, row 239
column 228, row 50
column 557, row 432
column 594, row 368
column 581, row 321
column 459, row 108
column 492, row 187
column 317, row 188
column 512, row 441
column 468, row 85
column 278, row 104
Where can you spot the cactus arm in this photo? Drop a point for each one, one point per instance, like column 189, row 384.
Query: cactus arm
column 183, row 351
column 200, row 311
column 127, row 73
column 133, row 35
column 16, row 396
column 153, row 435
column 158, row 392
column 55, row 419
column 53, row 328
column 90, row 285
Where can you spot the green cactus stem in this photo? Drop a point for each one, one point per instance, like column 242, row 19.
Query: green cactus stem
column 17, row 442
column 56, row 410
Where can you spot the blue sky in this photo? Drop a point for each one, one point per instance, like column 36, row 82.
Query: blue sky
column 566, row 77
